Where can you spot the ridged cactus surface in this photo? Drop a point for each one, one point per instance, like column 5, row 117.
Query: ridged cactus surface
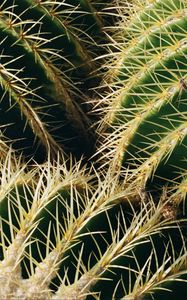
column 47, row 50
column 69, row 234
column 147, row 94
column 112, row 228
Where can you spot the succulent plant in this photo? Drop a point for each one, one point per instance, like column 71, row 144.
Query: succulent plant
column 145, row 125
column 76, row 230
column 47, row 48
column 69, row 234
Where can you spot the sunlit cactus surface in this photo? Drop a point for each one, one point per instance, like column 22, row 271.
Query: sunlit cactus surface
column 93, row 150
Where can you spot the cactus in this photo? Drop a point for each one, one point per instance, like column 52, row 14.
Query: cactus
column 145, row 126
column 47, row 48
column 69, row 234
column 70, row 230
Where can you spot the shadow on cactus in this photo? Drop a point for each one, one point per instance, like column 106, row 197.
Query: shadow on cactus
column 69, row 234
column 47, row 56
column 70, row 230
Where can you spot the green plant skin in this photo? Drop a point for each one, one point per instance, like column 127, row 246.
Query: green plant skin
column 147, row 108
column 47, row 48
column 63, row 236
column 73, row 233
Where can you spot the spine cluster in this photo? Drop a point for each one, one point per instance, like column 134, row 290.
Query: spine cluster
column 145, row 123
column 47, row 48
column 113, row 227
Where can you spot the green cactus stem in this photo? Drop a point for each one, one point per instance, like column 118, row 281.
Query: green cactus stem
column 46, row 48
column 66, row 233
column 146, row 105
column 69, row 231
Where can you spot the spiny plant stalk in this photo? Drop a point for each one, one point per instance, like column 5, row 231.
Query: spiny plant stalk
column 46, row 49
column 68, row 230
column 144, row 127
column 68, row 234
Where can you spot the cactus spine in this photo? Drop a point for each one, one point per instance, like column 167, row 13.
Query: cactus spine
column 147, row 110
column 69, row 230
column 46, row 49
column 55, row 221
